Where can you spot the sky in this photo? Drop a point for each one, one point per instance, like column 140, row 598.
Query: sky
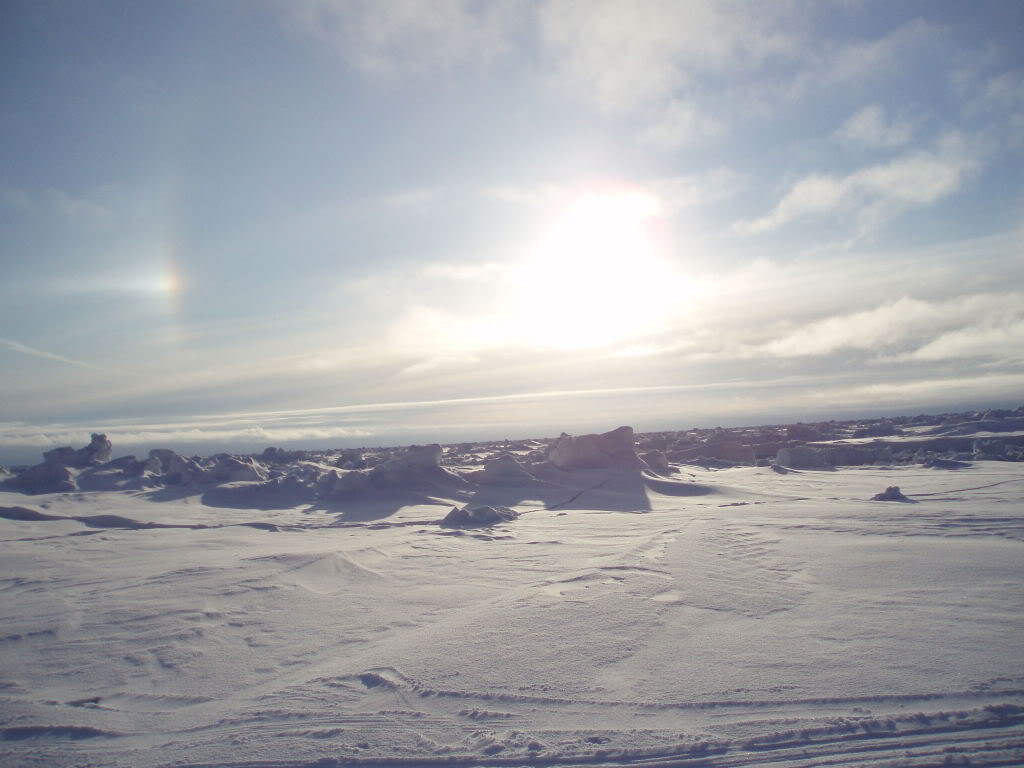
column 367, row 222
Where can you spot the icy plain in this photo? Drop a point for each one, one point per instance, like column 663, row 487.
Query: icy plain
column 732, row 617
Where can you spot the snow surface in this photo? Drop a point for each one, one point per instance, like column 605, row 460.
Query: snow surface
column 720, row 618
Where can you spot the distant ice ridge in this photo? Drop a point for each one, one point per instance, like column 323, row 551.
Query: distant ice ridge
column 298, row 476
column 91, row 469
column 281, row 478
column 55, row 474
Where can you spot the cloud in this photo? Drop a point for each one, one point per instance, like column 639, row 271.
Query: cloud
column 680, row 124
column 624, row 55
column 1002, row 97
column 48, row 436
column 851, row 306
column 1004, row 342
column 408, row 36
column 1005, row 90
column 483, row 272
column 15, row 198
column 281, row 426
column 79, row 208
column 76, row 208
column 985, row 325
column 689, row 191
column 673, row 193
column 863, row 59
column 827, row 63
column 876, row 193
column 528, row 195
column 261, row 428
column 24, row 349
column 956, row 390
column 414, row 199
column 870, row 128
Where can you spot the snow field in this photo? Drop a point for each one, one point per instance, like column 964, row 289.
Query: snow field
column 724, row 618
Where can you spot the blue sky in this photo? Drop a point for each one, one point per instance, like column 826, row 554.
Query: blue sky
column 248, row 223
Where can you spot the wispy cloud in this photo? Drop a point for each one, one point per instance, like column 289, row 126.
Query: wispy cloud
column 79, row 208
column 851, row 306
column 408, row 36
column 625, row 55
column 15, row 198
column 878, row 306
column 88, row 208
column 689, row 191
column 829, row 63
column 870, row 127
column 24, row 349
column 47, row 436
column 673, row 193
column 922, row 329
column 1005, row 90
column 876, row 193
column 414, row 199
column 529, row 195
column 340, row 423
column 990, row 338
column 466, row 273
column 681, row 123
column 952, row 389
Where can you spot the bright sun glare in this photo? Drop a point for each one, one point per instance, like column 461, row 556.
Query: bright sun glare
column 599, row 274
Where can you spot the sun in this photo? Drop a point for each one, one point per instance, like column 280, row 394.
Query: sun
column 599, row 275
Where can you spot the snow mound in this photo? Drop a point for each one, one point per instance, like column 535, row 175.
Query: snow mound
column 892, row 493
column 417, row 467
column 475, row 517
column 345, row 483
column 165, row 463
column 51, row 476
column 505, row 469
column 610, row 449
column 233, row 469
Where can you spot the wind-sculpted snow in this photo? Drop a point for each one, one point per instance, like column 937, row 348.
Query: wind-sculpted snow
column 325, row 614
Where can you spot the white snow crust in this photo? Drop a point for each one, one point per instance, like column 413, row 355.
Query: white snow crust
column 730, row 617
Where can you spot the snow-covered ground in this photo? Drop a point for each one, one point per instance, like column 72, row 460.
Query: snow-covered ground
column 718, row 618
